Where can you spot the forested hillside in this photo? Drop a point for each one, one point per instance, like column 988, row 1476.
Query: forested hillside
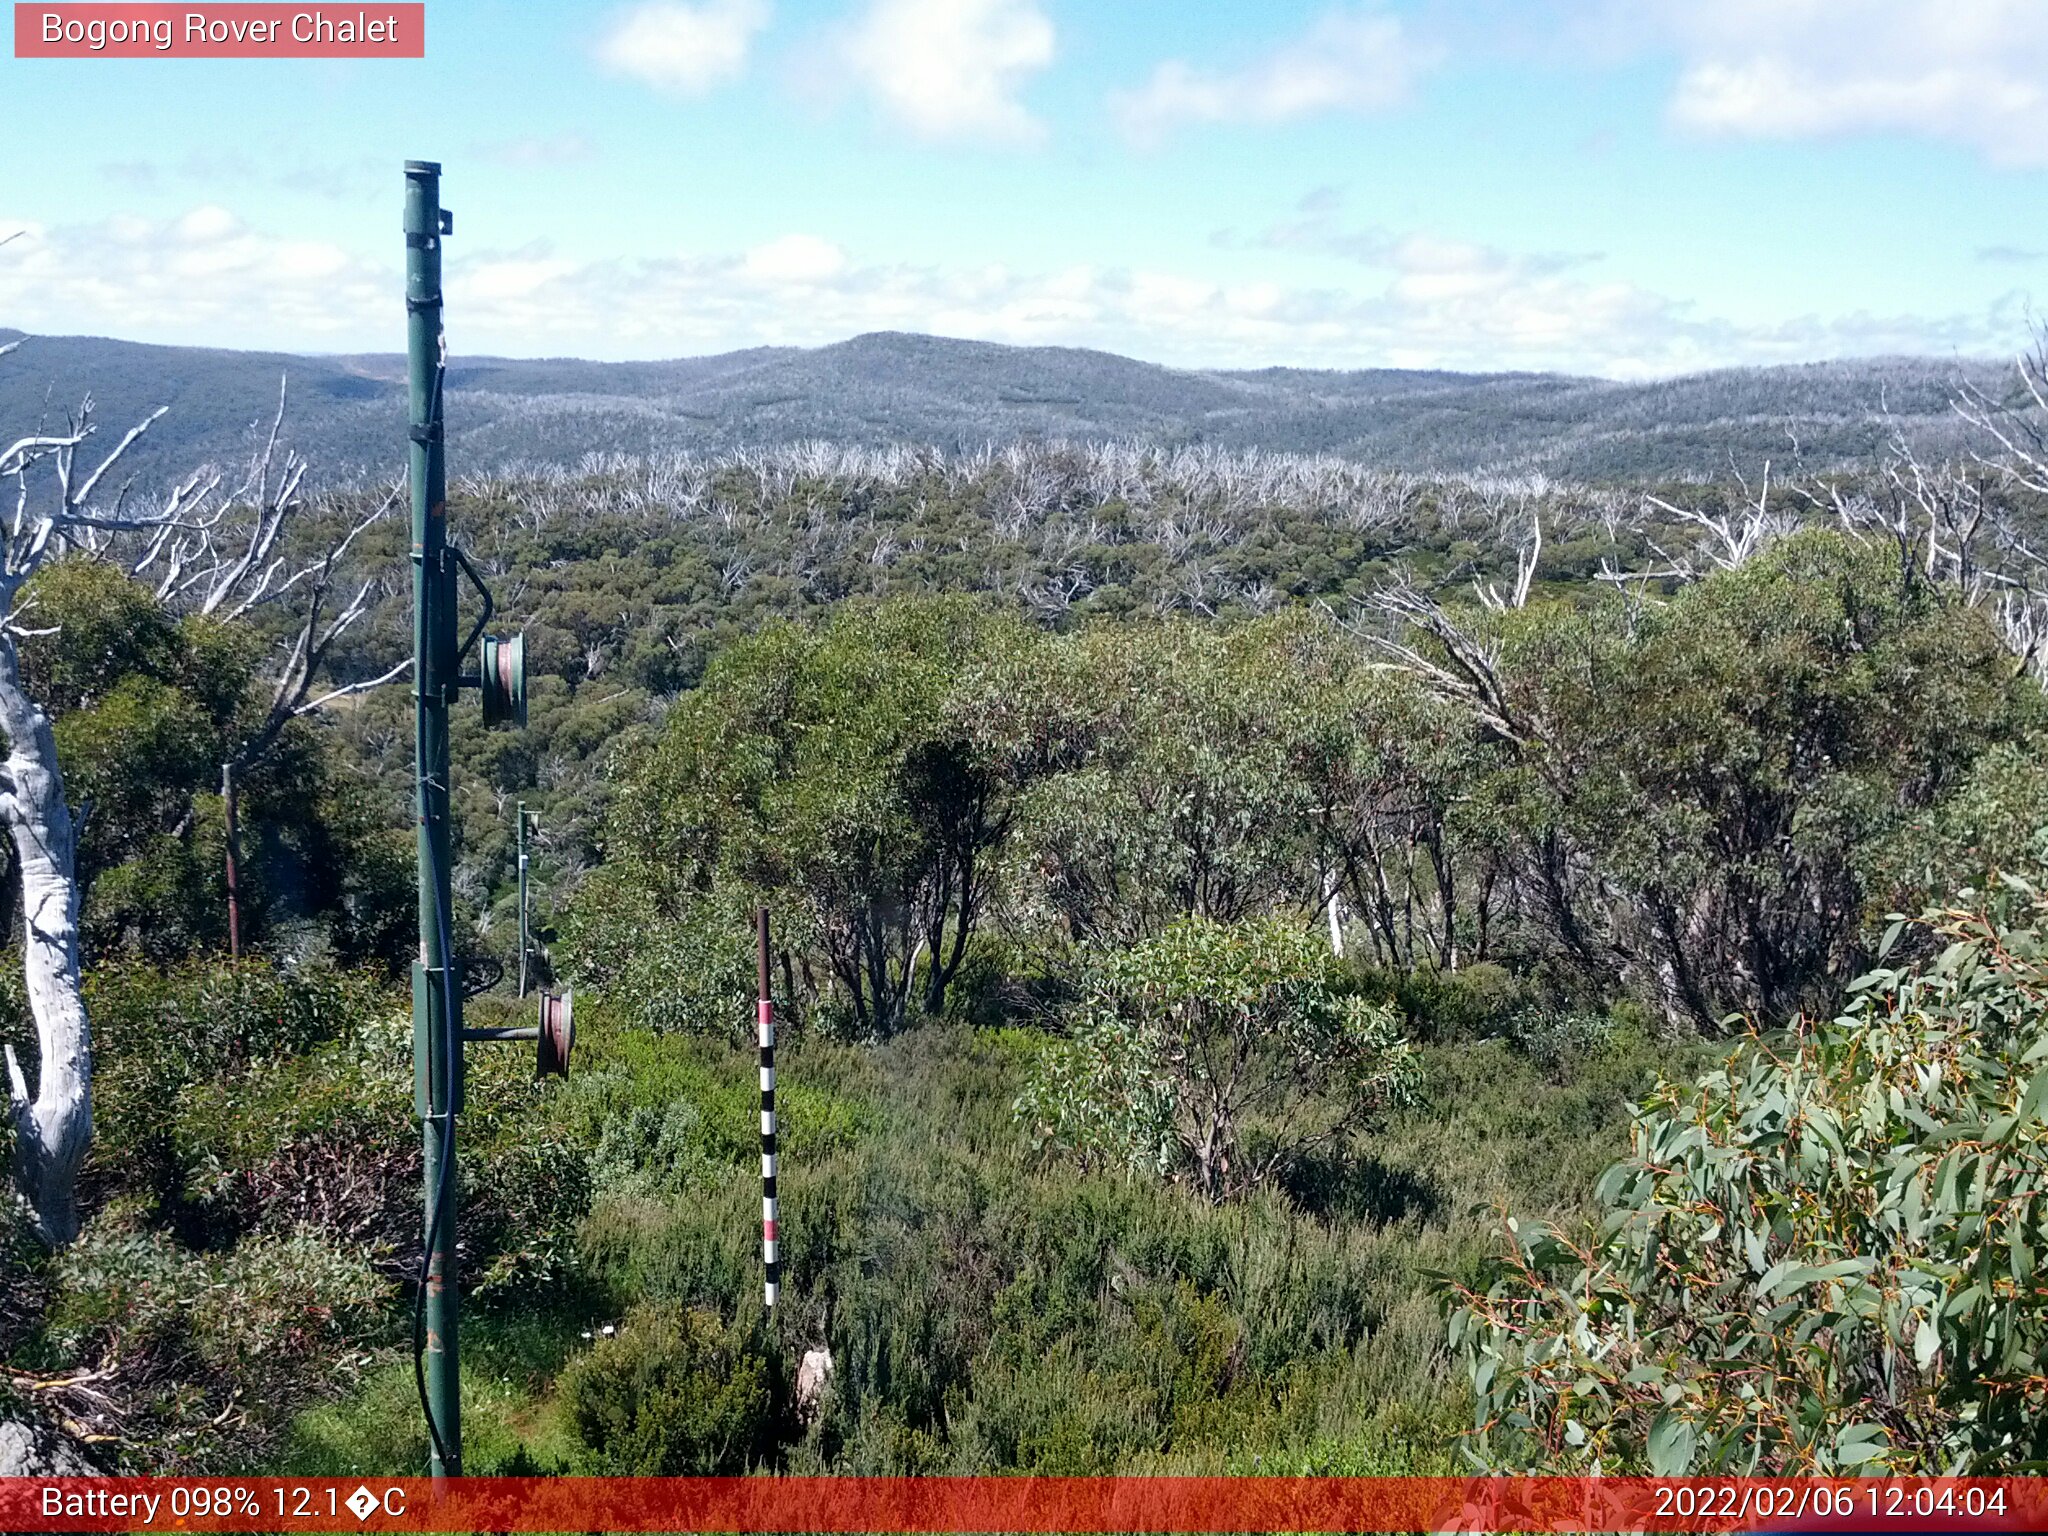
column 893, row 389
column 1213, row 889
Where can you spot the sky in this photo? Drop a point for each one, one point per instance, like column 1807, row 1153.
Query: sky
column 1628, row 188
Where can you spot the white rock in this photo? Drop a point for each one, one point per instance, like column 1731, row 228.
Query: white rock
column 812, row 1378
column 33, row 1451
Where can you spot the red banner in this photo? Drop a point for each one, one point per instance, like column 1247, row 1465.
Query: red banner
column 232, row 31
column 1026, row 1504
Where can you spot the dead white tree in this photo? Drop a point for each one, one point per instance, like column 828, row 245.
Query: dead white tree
column 1732, row 539
column 2018, row 422
column 217, row 554
column 53, row 1123
column 1468, row 670
column 230, row 556
column 1526, row 559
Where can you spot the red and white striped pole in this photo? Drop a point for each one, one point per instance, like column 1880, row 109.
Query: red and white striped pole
column 765, row 1017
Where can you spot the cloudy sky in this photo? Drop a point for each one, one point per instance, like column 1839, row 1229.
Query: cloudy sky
column 1621, row 187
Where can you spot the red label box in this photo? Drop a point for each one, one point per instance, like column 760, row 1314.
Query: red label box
column 371, row 30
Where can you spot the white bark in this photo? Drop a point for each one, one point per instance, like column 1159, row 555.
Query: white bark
column 213, row 558
column 53, row 1125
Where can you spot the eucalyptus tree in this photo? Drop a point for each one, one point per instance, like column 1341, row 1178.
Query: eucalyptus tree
column 1696, row 792
column 1164, row 777
column 229, row 549
column 823, row 771
column 1823, row 1258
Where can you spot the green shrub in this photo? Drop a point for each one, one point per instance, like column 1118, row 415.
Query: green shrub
column 1825, row 1258
column 1562, row 1040
column 672, row 1394
column 212, row 1350
column 22, row 1260
column 1465, row 1004
column 674, row 966
column 653, row 1151
column 1218, row 1053
column 157, row 1031
column 327, row 1141
column 659, row 1111
column 321, row 1140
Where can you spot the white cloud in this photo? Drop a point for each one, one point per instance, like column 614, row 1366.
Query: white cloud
column 341, row 180
column 1973, row 72
column 685, row 48
column 795, row 259
column 1353, row 59
column 1318, row 230
column 1419, row 300
column 952, row 68
column 205, row 278
column 207, row 224
column 1428, row 302
column 509, row 279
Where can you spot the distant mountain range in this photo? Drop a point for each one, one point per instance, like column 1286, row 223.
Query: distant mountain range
column 347, row 413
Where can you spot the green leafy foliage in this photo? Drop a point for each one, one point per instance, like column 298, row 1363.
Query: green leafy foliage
column 1135, row 830
column 671, row 1394
column 1218, row 1053
column 146, row 709
column 197, row 1336
column 1702, row 793
column 158, row 1032
column 1160, row 773
column 824, row 773
column 1824, row 1258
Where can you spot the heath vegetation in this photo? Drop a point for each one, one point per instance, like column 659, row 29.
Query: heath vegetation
column 1285, row 967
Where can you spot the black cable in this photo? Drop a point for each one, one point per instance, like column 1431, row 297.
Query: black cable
column 437, row 1213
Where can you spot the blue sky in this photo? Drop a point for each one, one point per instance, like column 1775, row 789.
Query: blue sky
column 1622, row 187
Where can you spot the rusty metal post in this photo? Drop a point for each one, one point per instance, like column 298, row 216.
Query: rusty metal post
column 227, row 799
column 525, row 939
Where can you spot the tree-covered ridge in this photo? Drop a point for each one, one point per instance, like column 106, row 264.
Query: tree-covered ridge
column 628, row 575
column 892, row 389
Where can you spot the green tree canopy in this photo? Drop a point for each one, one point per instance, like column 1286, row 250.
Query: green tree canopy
column 147, row 708
column 822, row 772
column 1825, row 1258
column 1217, row 1053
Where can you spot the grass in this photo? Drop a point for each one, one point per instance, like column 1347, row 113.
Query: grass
column 988, row 1311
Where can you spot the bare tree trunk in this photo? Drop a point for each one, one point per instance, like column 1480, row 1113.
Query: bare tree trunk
column 187, row 545
column 52, row 1128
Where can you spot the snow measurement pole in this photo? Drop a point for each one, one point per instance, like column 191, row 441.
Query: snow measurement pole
column 764, row 1012
column 437, row 982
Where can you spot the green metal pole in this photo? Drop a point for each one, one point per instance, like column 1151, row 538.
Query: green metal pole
column 437, row 1001
column 523, row 940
